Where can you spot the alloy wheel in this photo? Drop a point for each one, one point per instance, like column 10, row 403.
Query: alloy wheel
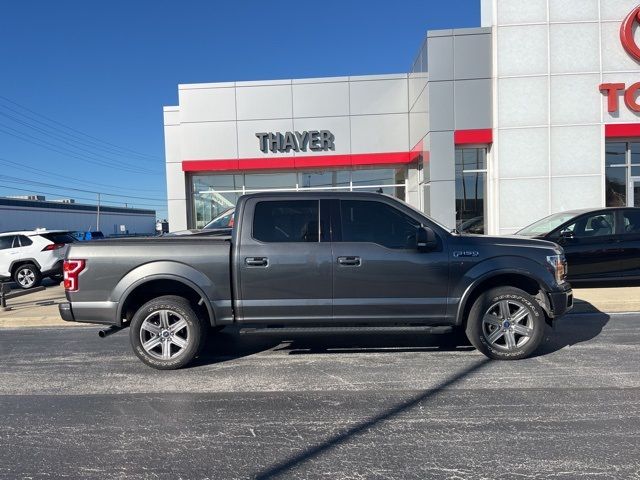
column 26, row 277
column 164, row 334
column 507, row 325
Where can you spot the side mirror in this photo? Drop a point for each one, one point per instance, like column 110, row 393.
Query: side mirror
column 426, row 239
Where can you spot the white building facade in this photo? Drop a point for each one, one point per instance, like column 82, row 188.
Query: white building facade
column 494, row 127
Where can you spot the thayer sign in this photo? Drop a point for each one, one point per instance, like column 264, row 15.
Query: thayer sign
column 314, row 140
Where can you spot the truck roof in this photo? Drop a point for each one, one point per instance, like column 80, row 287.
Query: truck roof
column 319, row 194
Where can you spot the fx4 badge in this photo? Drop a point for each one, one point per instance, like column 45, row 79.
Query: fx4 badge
column 465, row 253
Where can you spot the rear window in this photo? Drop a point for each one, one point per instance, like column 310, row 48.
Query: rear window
column 25, row 241
column 59, row 237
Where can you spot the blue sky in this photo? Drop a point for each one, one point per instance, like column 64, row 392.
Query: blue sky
column 83, row 83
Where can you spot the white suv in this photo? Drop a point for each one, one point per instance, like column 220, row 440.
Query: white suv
column 27, row 257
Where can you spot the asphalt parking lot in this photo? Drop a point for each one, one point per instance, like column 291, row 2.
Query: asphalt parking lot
column 73, row 405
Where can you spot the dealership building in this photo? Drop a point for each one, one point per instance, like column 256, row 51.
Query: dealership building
column 536, row 111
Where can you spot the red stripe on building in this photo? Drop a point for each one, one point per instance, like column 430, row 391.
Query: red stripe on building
column 468, row 137
column 209, row 165
column 622, row 130
column 308, row 161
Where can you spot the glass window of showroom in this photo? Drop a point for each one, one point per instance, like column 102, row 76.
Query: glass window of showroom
column 212, row 194
column 622, row 163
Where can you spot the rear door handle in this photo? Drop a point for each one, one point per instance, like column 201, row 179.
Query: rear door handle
column 350, row 261
column 257, row 261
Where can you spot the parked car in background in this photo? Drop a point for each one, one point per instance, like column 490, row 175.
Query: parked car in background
column 220, row 225
column 222, row 221
column 474, row 225
column 85, row 236
column 27, row 257
column 601, row 244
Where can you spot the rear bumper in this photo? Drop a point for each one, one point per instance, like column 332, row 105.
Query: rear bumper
column 56, row 269
column 66, row 312
column 103, row 313
column 561, row 301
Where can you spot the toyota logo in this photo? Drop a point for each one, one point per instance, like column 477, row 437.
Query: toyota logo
column 626, row 33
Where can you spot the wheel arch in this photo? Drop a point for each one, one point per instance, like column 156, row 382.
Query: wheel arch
column 23, row 261
column 148, row 288
column 519, row 279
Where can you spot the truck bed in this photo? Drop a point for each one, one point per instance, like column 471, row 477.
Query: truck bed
column 114, row 266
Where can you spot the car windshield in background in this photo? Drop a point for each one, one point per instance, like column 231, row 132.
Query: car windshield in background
column 59, row 237
column 546, row 225
column 225, row 220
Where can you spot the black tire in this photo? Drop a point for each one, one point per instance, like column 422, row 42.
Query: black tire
column 58, row 277
column 192, row 335
column 479, row 331
column 27, row 276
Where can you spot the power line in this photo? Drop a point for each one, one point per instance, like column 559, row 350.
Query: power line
column 68, row 141
column 24, row 181
column 47, row 173
column 106, row 161
column 56, row 148
column 56, row 122
column 10, row 187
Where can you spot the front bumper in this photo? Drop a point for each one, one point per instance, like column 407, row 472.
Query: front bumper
column 561, row 300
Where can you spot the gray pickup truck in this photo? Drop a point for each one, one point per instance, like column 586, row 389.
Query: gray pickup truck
column 318, row 262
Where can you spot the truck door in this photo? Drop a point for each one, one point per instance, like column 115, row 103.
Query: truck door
column 378, row 273
column 284, row 266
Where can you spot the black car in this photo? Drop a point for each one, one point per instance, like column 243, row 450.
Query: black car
column 600, row 245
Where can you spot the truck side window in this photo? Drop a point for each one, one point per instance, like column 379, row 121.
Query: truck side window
column 286, row 221
column 377, row 222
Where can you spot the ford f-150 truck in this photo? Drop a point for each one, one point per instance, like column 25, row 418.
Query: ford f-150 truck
column 318, row 262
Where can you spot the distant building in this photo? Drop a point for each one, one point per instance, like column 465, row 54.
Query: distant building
column 28, row 214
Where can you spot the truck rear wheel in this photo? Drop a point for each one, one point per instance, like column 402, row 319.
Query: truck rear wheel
column 506, row 323
column 166, row 333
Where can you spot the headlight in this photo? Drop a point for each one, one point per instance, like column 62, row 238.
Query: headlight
column 558, row 266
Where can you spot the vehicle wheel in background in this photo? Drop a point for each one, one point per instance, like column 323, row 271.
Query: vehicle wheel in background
column 506, row 323
column 27, row 276
column 166, row 333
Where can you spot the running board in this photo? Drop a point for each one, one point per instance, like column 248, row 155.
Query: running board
column 320, row 330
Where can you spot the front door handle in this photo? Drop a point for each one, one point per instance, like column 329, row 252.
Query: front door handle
column 257, row 261
column 350, row 261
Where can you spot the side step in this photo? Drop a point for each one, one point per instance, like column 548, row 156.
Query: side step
column 347, row 330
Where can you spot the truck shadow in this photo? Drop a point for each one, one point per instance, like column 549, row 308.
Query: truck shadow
column 229, row 344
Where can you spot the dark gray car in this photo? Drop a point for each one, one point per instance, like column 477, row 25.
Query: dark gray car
column 319, row 261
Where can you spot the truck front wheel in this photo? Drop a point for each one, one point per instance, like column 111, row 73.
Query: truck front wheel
column 166, row 333
column 506, row 323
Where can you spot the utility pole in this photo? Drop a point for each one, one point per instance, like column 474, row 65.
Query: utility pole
column 98, row 215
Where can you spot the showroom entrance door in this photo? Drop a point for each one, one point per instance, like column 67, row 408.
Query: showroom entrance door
column 633, row 193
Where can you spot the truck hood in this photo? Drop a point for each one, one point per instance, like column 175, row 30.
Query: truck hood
column 516, row 241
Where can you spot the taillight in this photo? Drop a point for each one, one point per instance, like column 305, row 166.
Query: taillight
column 71, row 269
column 53, row 246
